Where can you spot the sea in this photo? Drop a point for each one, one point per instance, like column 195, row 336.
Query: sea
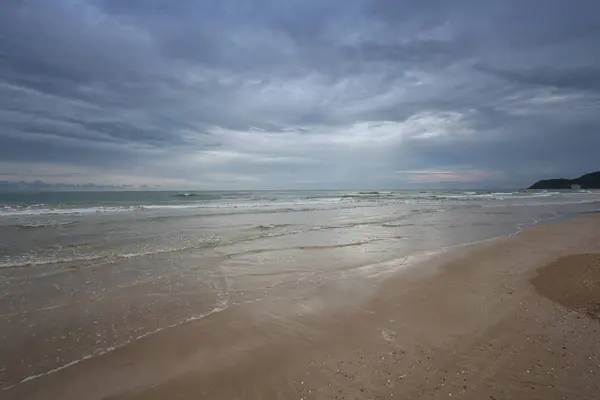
column 85, row 273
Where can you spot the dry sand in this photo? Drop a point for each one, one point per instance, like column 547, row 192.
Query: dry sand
column 513, row 318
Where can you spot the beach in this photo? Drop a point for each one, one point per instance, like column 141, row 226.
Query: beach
column 505, row 316
column 299, row 200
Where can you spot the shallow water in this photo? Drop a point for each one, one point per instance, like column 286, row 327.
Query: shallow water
column 83, row 273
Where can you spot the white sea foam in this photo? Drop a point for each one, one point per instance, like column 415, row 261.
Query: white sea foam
column 49, row 224
column 40, row 210
column 33, row 260
column 299, row 203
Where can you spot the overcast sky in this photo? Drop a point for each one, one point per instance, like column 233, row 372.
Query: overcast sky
column 299, row 93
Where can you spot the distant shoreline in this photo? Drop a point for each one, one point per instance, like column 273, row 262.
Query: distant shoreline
column 587, row 181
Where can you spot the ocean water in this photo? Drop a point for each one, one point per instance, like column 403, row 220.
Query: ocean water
column 82, row 273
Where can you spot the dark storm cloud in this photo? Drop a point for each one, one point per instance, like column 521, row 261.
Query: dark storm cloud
column 582, row 78
column 265, row 93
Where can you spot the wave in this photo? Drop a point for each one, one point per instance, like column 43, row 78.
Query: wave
column 337, row 246
column 33, row 261
column 371, row 195
column 221, row 306
column 252, row 203
column 272, row 226
column 554, row 203
column 233, row 208
column 466, row 196
column 34, row 225
column 32, row 210
column 198, row 196
column 264, row 232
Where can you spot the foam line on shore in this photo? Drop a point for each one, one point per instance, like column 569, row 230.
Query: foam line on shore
column 111, row 349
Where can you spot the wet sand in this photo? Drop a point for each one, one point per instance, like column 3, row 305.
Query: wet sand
column 512, row 318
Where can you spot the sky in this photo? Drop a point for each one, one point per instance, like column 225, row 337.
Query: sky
column 298, row 94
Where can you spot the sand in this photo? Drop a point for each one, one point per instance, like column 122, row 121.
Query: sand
column 574, row 282
column 512, row 318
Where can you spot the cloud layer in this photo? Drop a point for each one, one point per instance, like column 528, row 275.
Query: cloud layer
column 298, row 93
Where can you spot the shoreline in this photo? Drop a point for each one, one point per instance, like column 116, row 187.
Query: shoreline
column 419, row 258
column 317, row 336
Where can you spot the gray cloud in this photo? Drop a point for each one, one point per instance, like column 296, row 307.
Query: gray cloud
column 582, row 78
column 270, row 94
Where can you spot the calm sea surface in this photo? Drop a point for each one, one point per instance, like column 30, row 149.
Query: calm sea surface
column 84, row 272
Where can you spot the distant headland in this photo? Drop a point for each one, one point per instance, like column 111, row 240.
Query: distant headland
column 587, row 181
